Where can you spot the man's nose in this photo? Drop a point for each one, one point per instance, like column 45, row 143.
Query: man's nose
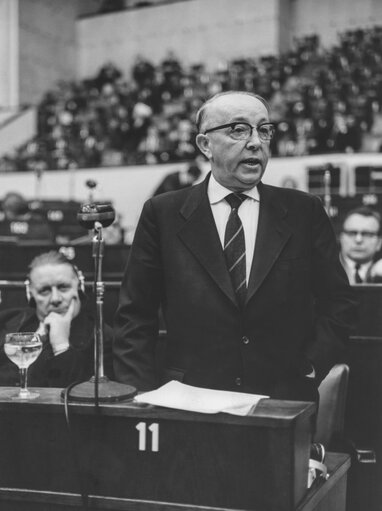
column 55, row 295
column 359, row 237
column 254, row 141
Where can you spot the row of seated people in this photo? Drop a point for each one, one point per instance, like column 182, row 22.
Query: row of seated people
column 58, row 309
column 324, row 100
column 47, row 221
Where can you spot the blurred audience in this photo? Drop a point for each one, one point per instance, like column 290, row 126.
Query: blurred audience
column 18, row 220
column 15, row 207
column 361, row 241
column 57, row 310
column 325, row 100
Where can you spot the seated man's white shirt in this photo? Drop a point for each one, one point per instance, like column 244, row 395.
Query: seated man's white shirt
column 363, row 270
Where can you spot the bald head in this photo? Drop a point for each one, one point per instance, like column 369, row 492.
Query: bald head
column 202, row 113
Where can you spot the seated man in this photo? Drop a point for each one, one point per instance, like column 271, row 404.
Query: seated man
column 360, row 241
column 58, row 310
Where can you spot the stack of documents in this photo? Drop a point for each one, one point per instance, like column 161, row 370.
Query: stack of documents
column 194, row 399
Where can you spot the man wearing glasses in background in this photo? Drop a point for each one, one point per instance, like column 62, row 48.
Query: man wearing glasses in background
column 248, row 276
column 360, row 240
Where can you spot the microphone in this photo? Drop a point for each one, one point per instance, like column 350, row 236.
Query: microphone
column 99, row 388
column 90, row 183
column 90, row 214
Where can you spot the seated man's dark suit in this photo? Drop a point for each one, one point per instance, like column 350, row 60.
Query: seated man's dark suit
column 73, row 365
column 297, row 314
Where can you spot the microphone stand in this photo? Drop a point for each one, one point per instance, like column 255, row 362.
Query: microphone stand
column 38, row 173
column 100, row 388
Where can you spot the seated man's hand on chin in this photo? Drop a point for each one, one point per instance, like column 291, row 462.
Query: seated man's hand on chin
column 58, row 325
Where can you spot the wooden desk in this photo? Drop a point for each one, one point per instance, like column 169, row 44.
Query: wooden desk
column 329, row 495
column 132, row 454
column 324, row 496
column 15, row 259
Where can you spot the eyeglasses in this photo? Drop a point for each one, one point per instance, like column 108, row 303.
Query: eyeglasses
column 364, row 234
column 243, row 130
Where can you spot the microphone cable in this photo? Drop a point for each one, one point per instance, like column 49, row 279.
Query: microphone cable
column 96, row 327
column 81, row 477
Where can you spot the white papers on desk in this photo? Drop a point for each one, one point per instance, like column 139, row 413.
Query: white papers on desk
column 195, row 399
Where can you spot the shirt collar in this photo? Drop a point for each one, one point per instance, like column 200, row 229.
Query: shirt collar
column 351, row 264
column 218, row 192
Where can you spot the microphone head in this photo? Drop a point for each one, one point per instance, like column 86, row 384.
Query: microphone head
column 89, row 214
column 90, row 183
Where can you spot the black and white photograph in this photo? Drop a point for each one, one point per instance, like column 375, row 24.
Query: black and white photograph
column 190, row 255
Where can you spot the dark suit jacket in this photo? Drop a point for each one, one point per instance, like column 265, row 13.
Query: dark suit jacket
column 298, row 310
column 74, row 365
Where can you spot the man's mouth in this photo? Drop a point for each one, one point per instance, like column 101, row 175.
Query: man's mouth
column 252, row 162
column 58, row 310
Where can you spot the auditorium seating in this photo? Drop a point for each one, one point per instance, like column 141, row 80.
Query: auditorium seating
column 46, row 221
column 323, row 100
column 15, row 258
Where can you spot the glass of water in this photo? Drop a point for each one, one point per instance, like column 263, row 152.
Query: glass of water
column 23, row 348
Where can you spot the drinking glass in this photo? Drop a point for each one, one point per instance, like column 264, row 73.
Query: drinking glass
column 22, row 348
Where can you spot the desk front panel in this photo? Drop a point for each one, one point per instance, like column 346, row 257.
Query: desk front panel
column 232, row 463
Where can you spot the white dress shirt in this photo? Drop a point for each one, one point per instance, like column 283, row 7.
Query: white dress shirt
column 248, row 213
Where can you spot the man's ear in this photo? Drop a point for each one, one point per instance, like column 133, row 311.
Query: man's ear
column 203, row 143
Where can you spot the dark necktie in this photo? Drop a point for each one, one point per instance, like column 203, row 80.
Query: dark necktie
column 357, row 276
column 234, row 247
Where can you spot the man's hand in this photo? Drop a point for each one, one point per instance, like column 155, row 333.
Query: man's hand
column 58, row 326
column 376, row 270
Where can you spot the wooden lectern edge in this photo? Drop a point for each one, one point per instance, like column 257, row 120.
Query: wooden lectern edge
column 101, row 502
column 268, row 412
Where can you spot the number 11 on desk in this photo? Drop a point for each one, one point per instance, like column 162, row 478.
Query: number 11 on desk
column 154, row 430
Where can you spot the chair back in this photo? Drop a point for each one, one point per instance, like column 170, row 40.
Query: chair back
column 331, row 410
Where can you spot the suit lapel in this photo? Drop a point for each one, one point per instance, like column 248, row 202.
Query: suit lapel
column 200, row 235
column 272, row 234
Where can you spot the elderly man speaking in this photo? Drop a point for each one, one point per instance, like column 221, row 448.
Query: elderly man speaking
column 247, row 275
